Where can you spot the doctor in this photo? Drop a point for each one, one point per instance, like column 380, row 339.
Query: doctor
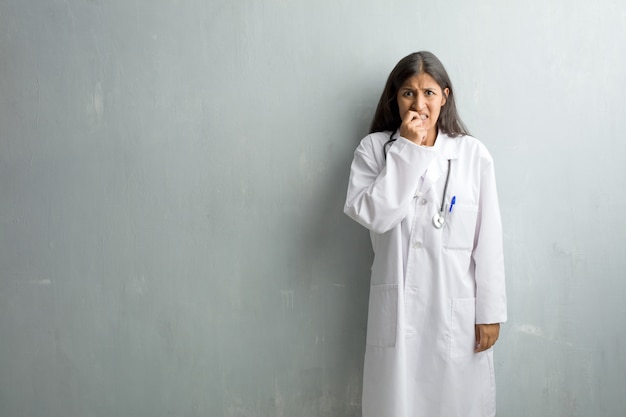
column 426, row 190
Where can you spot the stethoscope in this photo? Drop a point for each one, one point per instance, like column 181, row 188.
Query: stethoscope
column 439, row 219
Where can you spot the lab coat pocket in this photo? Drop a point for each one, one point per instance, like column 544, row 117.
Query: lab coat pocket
column 462, row 327
column 460, row 227
column 382, row 319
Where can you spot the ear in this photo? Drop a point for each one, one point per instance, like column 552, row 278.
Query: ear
column 446, row 91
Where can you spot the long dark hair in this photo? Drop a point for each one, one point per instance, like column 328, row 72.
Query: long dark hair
column 387, row 116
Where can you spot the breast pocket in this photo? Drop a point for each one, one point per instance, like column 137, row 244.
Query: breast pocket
column 382, row 320
column 460, row 227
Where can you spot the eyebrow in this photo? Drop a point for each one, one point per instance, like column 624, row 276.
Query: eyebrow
column 407, row 87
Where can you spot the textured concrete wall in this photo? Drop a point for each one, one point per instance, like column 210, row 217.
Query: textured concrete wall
column 172, row 176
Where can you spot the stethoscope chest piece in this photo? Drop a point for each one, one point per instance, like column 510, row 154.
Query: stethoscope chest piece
column 438, row 220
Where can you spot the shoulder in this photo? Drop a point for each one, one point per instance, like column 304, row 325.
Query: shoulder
column 376, row 138
column 373, row 144
column 469, row 147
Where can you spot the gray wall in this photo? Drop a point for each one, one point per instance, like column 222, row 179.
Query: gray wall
column 172, row 175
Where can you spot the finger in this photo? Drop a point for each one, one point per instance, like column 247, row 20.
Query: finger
column 486, row 342
column 418, row 121
column 482, row 343
column 410, row 116
column 479, row 339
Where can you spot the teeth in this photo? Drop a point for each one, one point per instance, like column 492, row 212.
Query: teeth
column 423, row 116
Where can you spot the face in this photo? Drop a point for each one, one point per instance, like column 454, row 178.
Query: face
column 422, row 94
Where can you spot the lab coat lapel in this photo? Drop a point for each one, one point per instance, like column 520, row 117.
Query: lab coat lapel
column 447, row 149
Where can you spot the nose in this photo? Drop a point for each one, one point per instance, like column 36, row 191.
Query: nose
column 418, row 102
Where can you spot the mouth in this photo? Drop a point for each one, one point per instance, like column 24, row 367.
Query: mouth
column 423, row 117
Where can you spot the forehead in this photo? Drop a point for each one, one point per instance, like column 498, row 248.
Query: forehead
column 421, row 80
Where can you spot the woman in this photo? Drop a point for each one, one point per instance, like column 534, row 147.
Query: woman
column 426, row 190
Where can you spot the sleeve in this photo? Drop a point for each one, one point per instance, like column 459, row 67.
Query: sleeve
column 379, row 193
column 488, row 253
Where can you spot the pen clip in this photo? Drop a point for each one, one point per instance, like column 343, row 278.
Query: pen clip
column 452, row 203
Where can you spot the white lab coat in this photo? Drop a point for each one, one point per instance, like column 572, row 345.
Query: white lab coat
column 429, row 286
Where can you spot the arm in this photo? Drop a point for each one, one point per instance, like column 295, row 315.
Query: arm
column 489, row 262
column 379, row 190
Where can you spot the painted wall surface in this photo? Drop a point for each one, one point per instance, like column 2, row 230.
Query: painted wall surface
column 172, row 177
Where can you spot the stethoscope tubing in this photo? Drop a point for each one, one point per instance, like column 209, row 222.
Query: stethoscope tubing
column 439, row 218
column 445, row 188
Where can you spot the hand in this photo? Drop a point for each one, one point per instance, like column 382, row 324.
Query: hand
column 412, row 128
column 486, row 336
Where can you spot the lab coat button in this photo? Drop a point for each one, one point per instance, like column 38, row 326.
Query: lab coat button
column 417, row 245
column 423, row 202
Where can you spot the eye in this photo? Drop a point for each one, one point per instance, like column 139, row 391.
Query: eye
column 429, row 92
column 407, row 93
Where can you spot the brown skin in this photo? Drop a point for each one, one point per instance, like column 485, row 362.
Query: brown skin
column 413, row 128
column 486, row 336
column 420, row 99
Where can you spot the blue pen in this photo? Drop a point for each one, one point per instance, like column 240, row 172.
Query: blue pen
column 452, row 203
